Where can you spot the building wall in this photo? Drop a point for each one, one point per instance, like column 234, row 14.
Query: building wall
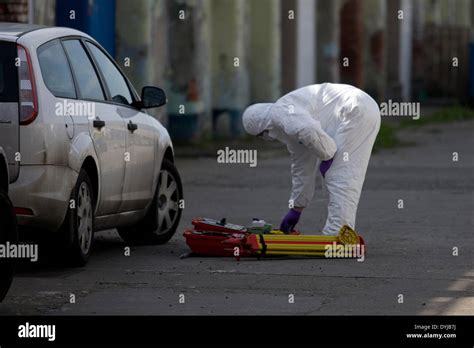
column 230, row 65
column 352, row 43
column 265, row 50
column 14, row 11
column 447, row 12
column 188, row 72
column 374, row 12
column 306, row 42
column 288, row 45
column 141, row 45
column 194, row 59
column 442, row 35
column 328, row 33
column 44, row 12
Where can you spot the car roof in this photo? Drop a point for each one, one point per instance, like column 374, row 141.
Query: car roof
column 17, row 29
column 36, row 34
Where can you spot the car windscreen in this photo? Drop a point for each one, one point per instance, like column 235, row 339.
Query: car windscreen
column 8, row 72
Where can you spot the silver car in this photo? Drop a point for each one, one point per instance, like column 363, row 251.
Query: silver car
column 83, row 155
column 8, row 229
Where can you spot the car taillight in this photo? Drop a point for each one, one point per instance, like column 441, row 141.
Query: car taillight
column 23, row 211
column 26, row 82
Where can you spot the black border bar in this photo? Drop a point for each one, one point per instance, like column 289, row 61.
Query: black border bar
column 289, row 330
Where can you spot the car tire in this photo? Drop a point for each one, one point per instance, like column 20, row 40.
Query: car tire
column 78, row 227
column 164, row 214
column 8, row 233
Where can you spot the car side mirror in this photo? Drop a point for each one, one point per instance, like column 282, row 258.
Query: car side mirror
column 153, row 97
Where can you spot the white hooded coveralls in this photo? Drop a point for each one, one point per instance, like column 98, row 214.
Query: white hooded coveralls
column 319, row 122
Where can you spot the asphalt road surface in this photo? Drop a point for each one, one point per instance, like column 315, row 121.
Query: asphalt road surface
column 410, row 250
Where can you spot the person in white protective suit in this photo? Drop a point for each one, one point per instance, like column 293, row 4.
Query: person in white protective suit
column 327, row 126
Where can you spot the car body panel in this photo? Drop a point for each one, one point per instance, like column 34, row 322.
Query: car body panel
column 12, row 29
column 137, row 188
column 9, row 136
column 55, row 146
column 4, row 166
column 109, row 143
column 46, row 191
column 81, row 148
column 9, row 107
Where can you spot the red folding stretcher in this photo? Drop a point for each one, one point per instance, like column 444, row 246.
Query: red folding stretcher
column 208, row 237
column 219, row 238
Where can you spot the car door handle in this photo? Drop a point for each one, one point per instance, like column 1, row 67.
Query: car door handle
column 132, row 127
column 98, row 123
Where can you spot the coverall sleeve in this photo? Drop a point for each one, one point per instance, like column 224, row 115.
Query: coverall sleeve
column 307, row 131
column 303, row 174
column 316, row 139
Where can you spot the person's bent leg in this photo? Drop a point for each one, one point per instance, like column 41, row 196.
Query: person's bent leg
column 343, row 201
column 345, row 178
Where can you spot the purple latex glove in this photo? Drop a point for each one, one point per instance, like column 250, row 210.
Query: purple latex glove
column 324, row 166
column 290, row 220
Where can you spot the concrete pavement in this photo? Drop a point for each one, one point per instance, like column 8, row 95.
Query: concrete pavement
column 410, row 250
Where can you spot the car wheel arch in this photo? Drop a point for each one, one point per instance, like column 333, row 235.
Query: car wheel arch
column 82, row 155
column 166, row 154
column 92, row 170
column 169, row 154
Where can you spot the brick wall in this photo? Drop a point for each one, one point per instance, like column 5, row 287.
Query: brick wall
column 14, row 11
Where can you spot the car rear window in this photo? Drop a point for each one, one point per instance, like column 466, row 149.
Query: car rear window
column 8, row 72
column 55, row 70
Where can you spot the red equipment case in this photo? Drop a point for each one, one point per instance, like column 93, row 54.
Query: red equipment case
column 209, row 237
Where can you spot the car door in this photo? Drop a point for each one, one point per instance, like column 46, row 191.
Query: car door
column 107, row 127
column 138, row 187
column 9, row 96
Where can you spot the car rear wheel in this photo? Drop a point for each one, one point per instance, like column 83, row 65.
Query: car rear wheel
column 8, row 233
column 162, row 219
column 78, row 226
